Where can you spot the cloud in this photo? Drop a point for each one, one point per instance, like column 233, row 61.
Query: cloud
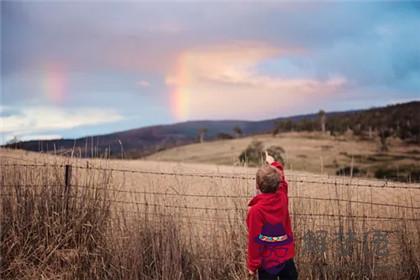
column 224, row 81
column 143, row 83
column 40, row 137
column 40, row 120
column 93, row 35
column 207, row 60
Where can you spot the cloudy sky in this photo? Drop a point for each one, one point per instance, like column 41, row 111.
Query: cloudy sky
column 75, row 68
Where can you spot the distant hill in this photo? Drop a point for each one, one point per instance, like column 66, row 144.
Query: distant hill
column 144, row 141
column 399, row 120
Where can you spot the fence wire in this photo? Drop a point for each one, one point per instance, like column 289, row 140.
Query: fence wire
column 335, row 182
column 241, row 209
column 292, row 197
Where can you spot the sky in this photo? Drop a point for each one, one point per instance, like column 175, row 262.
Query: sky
column 77, row 68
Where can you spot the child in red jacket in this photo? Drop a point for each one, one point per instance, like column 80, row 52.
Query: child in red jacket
column 270, row 237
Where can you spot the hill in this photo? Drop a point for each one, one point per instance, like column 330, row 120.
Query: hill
column 144, row 141
column 312, row 152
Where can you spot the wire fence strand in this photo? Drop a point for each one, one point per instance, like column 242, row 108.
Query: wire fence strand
column 335, row 181
column 240, row 208
column 292, row 197
column 237, row 210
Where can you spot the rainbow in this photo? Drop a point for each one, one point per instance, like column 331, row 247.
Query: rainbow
column 54, row 83
column 180, row 92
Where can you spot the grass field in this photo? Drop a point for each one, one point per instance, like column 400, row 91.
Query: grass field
column 120, row 219
column 304, row 151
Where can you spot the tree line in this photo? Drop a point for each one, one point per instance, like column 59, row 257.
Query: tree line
column 401, row 120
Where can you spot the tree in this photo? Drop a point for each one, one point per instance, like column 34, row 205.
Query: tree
column 358, row 129
column 201, row 133
column 384, row 133
column 288, row 125
column 278, row 126
column 370, row 132
column 306, row 125
column 282, row 126
column 276, row 130
column 224, row 136
column 277, row 153
column 322, row 120
column 12, row 141
column 238, row 131
column 253, row 154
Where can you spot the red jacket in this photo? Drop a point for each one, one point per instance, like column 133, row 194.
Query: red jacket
column 270, row 236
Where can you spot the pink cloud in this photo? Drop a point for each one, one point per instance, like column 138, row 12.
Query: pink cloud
column 222, row 82
column 143, row 83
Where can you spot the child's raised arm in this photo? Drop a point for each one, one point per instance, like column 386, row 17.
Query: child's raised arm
column 270, row 160
column 283, row 185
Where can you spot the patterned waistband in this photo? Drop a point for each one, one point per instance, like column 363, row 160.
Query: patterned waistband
column 272, row 238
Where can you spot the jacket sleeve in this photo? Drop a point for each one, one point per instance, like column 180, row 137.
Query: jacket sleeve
column 255, row 224
column 283, row 185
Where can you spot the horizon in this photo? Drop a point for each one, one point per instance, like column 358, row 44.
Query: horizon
column 71, row 70
column 209, row 120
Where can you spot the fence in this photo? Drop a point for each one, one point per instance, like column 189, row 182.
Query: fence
column 68, row 171
column 324, row 210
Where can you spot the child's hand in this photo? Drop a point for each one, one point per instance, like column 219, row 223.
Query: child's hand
column 268, row 159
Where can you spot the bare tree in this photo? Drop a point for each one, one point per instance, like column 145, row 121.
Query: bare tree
column 276, row 130
column 238, row 131
column 384, row 133
column 370, row 132
column 322, row 119
column 201, row 133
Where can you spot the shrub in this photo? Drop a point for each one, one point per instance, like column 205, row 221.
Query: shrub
column 277, row 153
column 348, row 171
column 253, row 155
column 224, row 136
column 403, row 173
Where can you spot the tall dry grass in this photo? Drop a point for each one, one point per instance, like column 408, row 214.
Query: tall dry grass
column 49, row 232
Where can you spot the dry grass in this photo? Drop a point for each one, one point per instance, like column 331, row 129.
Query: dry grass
column 312, row 152
column 112, row 223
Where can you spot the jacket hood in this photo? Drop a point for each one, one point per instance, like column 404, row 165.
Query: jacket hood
column 266, row 200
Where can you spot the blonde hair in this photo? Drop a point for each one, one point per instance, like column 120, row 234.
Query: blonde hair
column 268, row 179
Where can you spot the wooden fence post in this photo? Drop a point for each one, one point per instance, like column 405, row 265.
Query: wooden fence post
column 67, row 186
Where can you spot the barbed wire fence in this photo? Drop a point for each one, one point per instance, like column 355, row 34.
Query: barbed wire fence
column 67, row 175
column 384, row 184
column 72, row 189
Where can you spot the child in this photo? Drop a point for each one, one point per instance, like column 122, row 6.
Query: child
column 270, row 238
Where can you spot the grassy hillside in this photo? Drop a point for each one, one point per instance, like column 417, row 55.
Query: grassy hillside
column 139, row 142
column 312, row 152
column 400, row 120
